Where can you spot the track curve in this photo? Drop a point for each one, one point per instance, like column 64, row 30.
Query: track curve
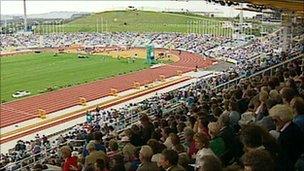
column 26, row 109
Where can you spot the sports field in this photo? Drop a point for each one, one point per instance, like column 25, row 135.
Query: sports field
column 38, row 72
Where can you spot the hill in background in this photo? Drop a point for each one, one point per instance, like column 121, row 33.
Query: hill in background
column 140, row 21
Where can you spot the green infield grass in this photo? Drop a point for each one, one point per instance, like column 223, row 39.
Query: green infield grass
column 44, row 72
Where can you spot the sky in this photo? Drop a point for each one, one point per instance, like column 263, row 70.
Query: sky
column 41, row 6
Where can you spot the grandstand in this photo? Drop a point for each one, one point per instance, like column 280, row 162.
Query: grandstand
column 214, row 101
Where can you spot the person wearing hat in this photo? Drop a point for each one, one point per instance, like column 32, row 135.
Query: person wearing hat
column 128, row 149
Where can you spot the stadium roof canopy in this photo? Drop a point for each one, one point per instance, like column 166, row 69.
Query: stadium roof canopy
column 286, row 5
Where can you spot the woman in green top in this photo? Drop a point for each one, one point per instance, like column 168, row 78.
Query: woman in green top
column 217, row 144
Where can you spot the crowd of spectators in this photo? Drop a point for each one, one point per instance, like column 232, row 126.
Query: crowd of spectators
column 190, row 42
column 270, row 44
column 257, row 124
column 254, row 125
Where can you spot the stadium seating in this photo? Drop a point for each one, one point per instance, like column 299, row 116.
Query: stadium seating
column 218, row 119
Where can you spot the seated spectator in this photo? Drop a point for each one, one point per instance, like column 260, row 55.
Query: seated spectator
column 201, row 125
column 297, row 105
column 70, row 162
column 89, row 167
column 169, row 161
column 202, row 144
column 266, row 122
column 226, row 132
column 209, row 163
column 113, row 146
column 216, row 143
column 261, row 111
column 183, row 158
column 166, row 138
column 135, row 136
column 100, row 165
column 118, row 163
column 287, row 94
column 135, row 161
column 175, row 141
column 180, row 128
column 145, row 156
column 128, row 149
column 190, row 142
column 275, row 96
column 251, row 138
column 246, row 119
column 94, row 155
column 234, row 114
column 291, row 138
column 258, row 160
column 97, row 140
column 157, row 148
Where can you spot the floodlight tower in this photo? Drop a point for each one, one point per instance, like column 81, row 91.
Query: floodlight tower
column 25, row 18
column 241, row 19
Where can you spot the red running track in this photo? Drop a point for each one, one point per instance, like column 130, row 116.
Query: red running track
column 26, row 109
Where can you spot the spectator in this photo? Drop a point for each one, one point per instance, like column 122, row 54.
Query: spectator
column 169, row 161
column 135, row 136
column 147, row 128
column 166, row 138
column 180, row 128
column 157, row 148
column 209, row 163
column 258, row 160
column 135, row 161
column 202, row 144
column 227, row 134
column 217, row 144
column 94, row 155
column 251, row 138
column 190, row 142
column 145, row 156
column 128, row 149
column 262, row 109
column 97, row 140
column 118, row 163
column 70, row 163
column 100, row 165
column 297, row 104
column 113, row 146
column 266, row 122
column 175, row 141
column 234, row 115
column 287, row 94
column 290, row 140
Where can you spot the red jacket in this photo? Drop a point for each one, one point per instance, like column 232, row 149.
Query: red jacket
column 192, row 149
column 71, row 161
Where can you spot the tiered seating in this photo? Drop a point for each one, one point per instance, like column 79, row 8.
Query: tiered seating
column 247, row 125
